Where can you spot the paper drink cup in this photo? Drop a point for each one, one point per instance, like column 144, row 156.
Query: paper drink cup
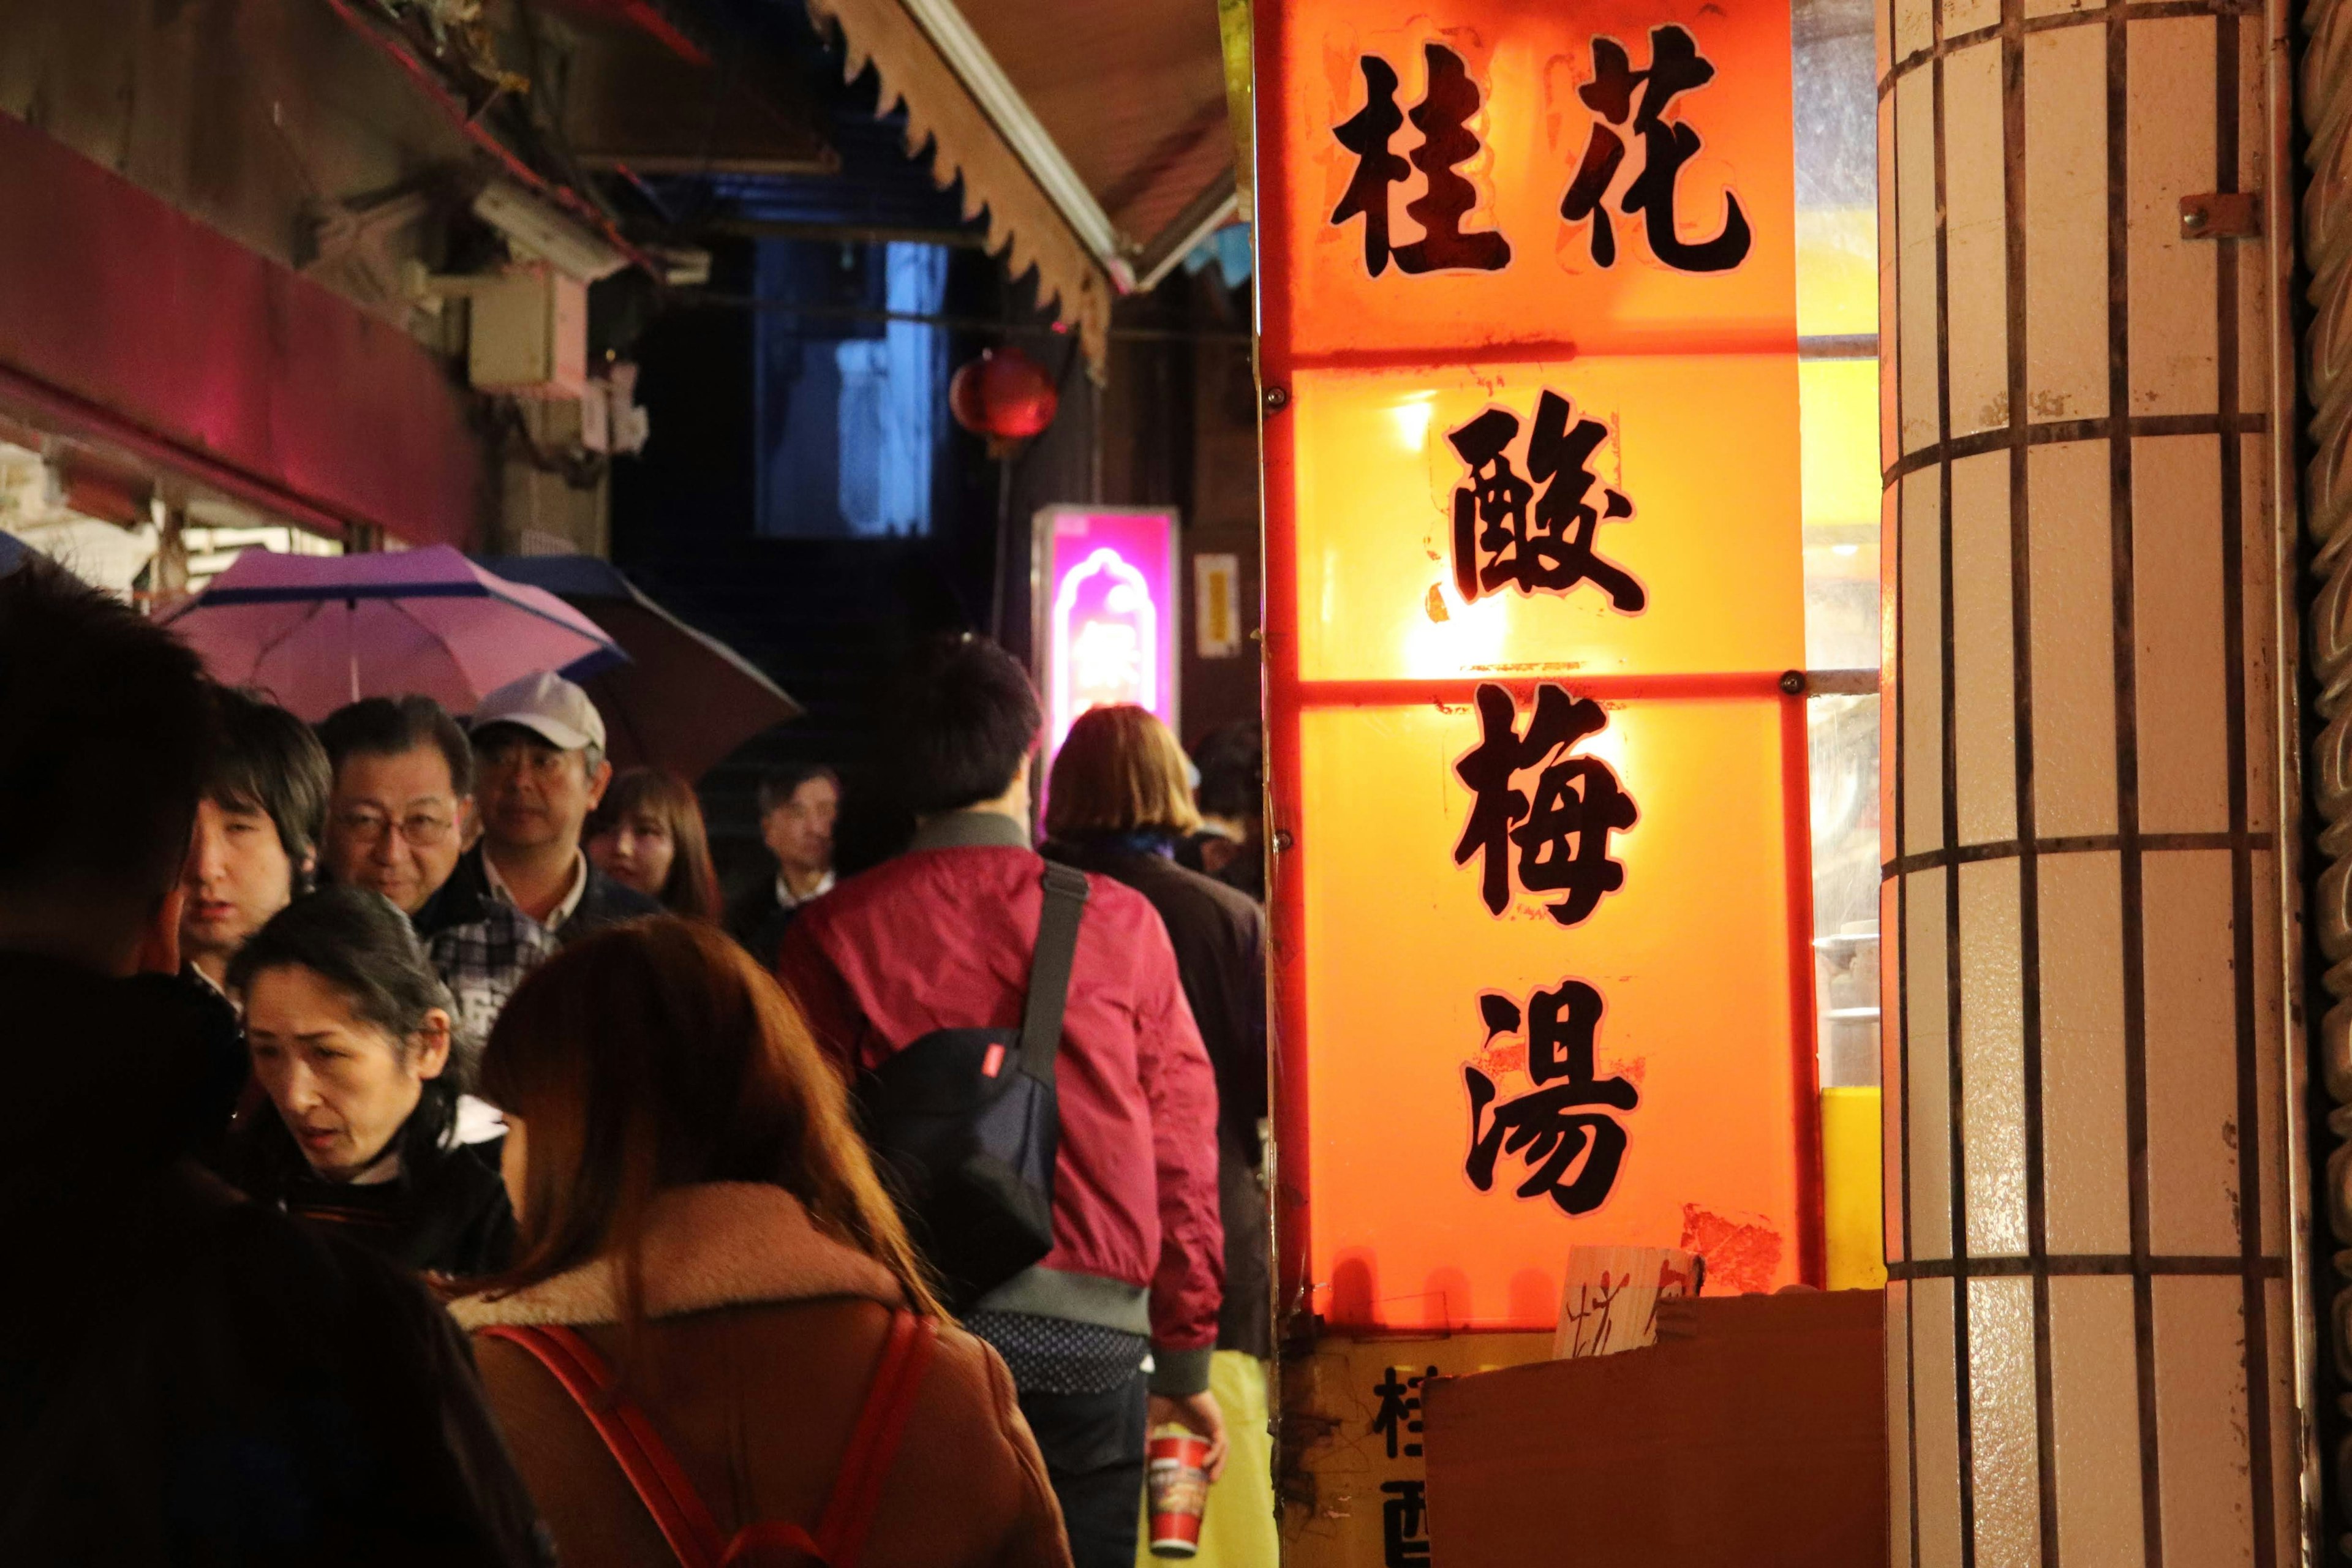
column 1176, row 1481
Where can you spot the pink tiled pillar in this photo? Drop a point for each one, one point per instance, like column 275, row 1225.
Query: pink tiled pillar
column 2091, row 1323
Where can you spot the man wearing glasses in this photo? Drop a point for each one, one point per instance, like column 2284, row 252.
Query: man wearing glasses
column 397, row 822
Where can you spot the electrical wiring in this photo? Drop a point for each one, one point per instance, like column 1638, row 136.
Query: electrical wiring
column 468, row 124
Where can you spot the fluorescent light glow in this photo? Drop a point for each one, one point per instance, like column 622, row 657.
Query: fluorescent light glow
column 1108, row 651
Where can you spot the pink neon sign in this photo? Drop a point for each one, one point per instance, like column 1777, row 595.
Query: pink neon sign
column 1106, row 592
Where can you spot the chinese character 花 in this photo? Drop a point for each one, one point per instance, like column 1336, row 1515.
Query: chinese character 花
column 1504, row 533
column 1442, row 117
column 1675, row 66
column 1561, row 830
column 1566, row 1117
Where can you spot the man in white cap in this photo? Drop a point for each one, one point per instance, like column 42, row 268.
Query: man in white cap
column 538, row 751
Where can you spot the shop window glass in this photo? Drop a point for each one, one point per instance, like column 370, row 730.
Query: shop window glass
column 1837, row 317
column 850, row 392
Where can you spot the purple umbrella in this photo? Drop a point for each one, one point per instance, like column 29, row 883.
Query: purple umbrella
column 317, row 631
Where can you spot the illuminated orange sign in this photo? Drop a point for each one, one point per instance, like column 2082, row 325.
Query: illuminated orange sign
column 1533, row 582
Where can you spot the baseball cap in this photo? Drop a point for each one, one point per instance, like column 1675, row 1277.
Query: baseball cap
column 547, row 706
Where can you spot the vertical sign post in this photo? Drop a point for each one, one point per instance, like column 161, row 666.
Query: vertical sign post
column 1541, row 898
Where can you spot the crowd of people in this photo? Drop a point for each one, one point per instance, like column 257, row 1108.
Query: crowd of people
column 403, row 1099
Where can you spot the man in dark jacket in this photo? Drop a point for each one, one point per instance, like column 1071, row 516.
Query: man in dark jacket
column 185, row 1378
column 538, row 747
column 798, row 805
column 943, row 937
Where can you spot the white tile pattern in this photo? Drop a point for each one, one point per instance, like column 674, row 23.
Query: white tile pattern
column 2090, row 1354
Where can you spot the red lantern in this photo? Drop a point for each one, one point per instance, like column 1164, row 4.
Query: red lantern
column 1004, row 395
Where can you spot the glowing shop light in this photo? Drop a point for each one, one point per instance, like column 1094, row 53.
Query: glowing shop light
column 1106, row 639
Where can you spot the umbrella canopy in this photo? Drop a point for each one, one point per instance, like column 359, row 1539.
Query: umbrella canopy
column 685, row 699
column 14, row 552
column 319, row 631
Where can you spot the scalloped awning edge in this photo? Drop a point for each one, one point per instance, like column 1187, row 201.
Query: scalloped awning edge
column 1025, row 228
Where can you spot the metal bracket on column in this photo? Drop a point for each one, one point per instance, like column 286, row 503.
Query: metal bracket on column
column 2221, row 214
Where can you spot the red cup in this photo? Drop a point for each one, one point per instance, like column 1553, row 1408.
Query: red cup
column 1176, row 1481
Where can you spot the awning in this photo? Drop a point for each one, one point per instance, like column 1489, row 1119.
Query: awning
column 1096, row 137
column 125, row 322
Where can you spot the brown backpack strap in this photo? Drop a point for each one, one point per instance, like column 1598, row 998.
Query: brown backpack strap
column 679, row 1511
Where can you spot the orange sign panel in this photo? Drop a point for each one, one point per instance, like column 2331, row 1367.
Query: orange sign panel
column 1534, row 580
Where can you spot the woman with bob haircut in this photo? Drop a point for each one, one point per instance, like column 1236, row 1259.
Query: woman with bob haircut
column 700, row 1225
column 1119, row 802
column 647, row 833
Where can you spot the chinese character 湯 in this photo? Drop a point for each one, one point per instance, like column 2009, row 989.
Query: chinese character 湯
column 1675, row 66
column 1561, row 831
column 1442, row 117
column 1565, row 1117
column 1504, row 532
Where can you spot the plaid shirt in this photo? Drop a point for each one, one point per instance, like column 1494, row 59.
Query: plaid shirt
column 481, row 961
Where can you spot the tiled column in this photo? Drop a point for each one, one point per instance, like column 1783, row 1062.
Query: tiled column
column 2090, row 1323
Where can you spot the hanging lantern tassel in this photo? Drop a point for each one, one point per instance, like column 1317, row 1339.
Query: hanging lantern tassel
column 1004, row 395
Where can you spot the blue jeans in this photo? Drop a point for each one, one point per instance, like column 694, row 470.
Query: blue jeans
column 1093, row 1445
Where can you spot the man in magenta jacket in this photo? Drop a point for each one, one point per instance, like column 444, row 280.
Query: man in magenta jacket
column 941, row 938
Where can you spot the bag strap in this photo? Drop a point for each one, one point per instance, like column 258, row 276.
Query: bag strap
column 856, row 1495
column 679, row 1511
column 1049, row 970
column 683, row 1518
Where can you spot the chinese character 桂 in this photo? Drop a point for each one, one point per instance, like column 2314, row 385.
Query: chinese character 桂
column 1506, row 534
column 1398, row 1416
column 1442, row 117
column 1675, row 66
column 1367, row 136
column 1566, row 1117
column 1404, row 1529
column 1561, row 830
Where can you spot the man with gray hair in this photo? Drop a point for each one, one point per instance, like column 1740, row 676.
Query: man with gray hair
column 539, row 770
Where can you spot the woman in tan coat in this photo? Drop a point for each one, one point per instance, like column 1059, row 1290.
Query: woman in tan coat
column 697, row 1209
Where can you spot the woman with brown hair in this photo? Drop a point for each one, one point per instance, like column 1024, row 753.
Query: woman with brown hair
column 1121, row 801
column 648, row 835
column 702, row 1232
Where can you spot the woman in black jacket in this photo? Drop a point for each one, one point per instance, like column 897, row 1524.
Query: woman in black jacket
column 1120, row 800
column 349, row 1029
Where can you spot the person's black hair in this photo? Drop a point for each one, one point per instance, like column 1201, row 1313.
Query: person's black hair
column 964, row 717
column 1232, row 759
column 272, row 762
column 391, row 727
column 358, row 942
column 105, row 737
column 778, row 785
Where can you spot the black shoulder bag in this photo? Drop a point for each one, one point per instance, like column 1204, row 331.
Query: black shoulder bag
column 964, row 1125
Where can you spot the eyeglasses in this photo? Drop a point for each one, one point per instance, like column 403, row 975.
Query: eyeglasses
column 421, row 828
